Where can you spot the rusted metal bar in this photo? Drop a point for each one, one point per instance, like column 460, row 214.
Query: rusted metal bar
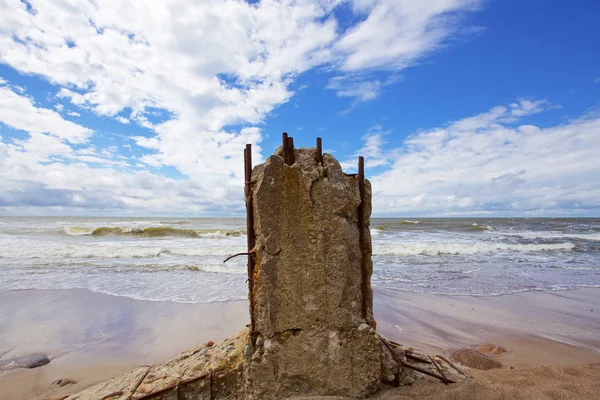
column 439, row 370
column 237, row 255
column 450, row 363
column 424, row 371
column 284, row 139
column 291, row 155
column 397, row 375
column 138, row 383
column 361, row 234
column 319, row 150
column 410, row 355
column 249, row 229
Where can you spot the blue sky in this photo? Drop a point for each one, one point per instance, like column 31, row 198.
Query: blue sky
column 461, row 107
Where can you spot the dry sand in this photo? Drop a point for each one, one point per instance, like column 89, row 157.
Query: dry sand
column 95, row 336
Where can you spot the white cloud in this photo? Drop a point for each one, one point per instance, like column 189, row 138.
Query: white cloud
column 396, row 34
column 209, row 65
column 20, row 112
column 373, row 150
column 361, row 90
column 123, row 120
column 487, row 164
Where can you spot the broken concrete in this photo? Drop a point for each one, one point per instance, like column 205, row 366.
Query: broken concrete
column 313, row 332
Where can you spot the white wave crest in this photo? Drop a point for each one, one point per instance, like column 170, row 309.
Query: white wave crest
column 464, row 248
column 556, row 235
column 376, row 232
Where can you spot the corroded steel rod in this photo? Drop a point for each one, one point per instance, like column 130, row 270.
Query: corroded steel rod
column 424, row 371
column 319, row 150
column 290, row 149
column 361, row 233
column 397, row 375
column 249, row 228
column 284, row 139
column 237, row 255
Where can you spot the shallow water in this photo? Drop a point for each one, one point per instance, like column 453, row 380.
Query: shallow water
column 182, row 259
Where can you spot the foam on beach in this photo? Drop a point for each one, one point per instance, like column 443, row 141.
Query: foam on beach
column 147, row 258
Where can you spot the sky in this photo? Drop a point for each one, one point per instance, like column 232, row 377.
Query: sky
column 460, row 107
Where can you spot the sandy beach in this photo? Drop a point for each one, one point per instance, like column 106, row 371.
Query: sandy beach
column 93, row 336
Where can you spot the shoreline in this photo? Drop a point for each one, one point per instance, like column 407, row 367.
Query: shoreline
column 96, row 336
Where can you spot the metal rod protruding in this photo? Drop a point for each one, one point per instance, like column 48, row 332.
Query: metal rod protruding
column 319, row 150
column 249, row 228
column 284, row 139
column 361, row 233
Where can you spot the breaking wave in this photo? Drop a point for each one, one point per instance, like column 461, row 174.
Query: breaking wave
column 465, row 248
column 152, row 231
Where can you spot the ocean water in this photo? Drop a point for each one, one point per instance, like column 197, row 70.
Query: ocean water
column 174, row 259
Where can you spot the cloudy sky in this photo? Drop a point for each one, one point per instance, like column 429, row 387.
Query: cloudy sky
column 461, row 107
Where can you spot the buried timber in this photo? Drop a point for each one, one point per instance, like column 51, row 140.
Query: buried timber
column 312, row 331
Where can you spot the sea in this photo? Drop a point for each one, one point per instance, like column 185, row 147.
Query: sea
column 181, row 259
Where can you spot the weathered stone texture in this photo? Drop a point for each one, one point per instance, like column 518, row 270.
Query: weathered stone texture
column 307, row 282
column 311, row 337
column 308, row 258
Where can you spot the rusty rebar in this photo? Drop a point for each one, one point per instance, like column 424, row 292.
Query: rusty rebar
column 439, row 370
column 424, row 371
column 450, row 363
column 138, row 383
column 319, row 150
column 237, row 255
column 284, row 139
column 249, row 229
column 290, row 149
column 397, row 375
column 416, row 358
column 361, row 234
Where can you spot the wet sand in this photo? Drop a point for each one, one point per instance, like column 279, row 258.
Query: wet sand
column 94, row 336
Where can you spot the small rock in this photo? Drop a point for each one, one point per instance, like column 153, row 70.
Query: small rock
column 229, row 349
column 362, row 327
column 199, row 366
column 491, row 349
column 202, row 351
column 248, row 351
column 145, row 388
column 64, row 382
column 260, row 341
column 373, row 324
column 26, row 361
column 473, row 359
column 210, row 343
